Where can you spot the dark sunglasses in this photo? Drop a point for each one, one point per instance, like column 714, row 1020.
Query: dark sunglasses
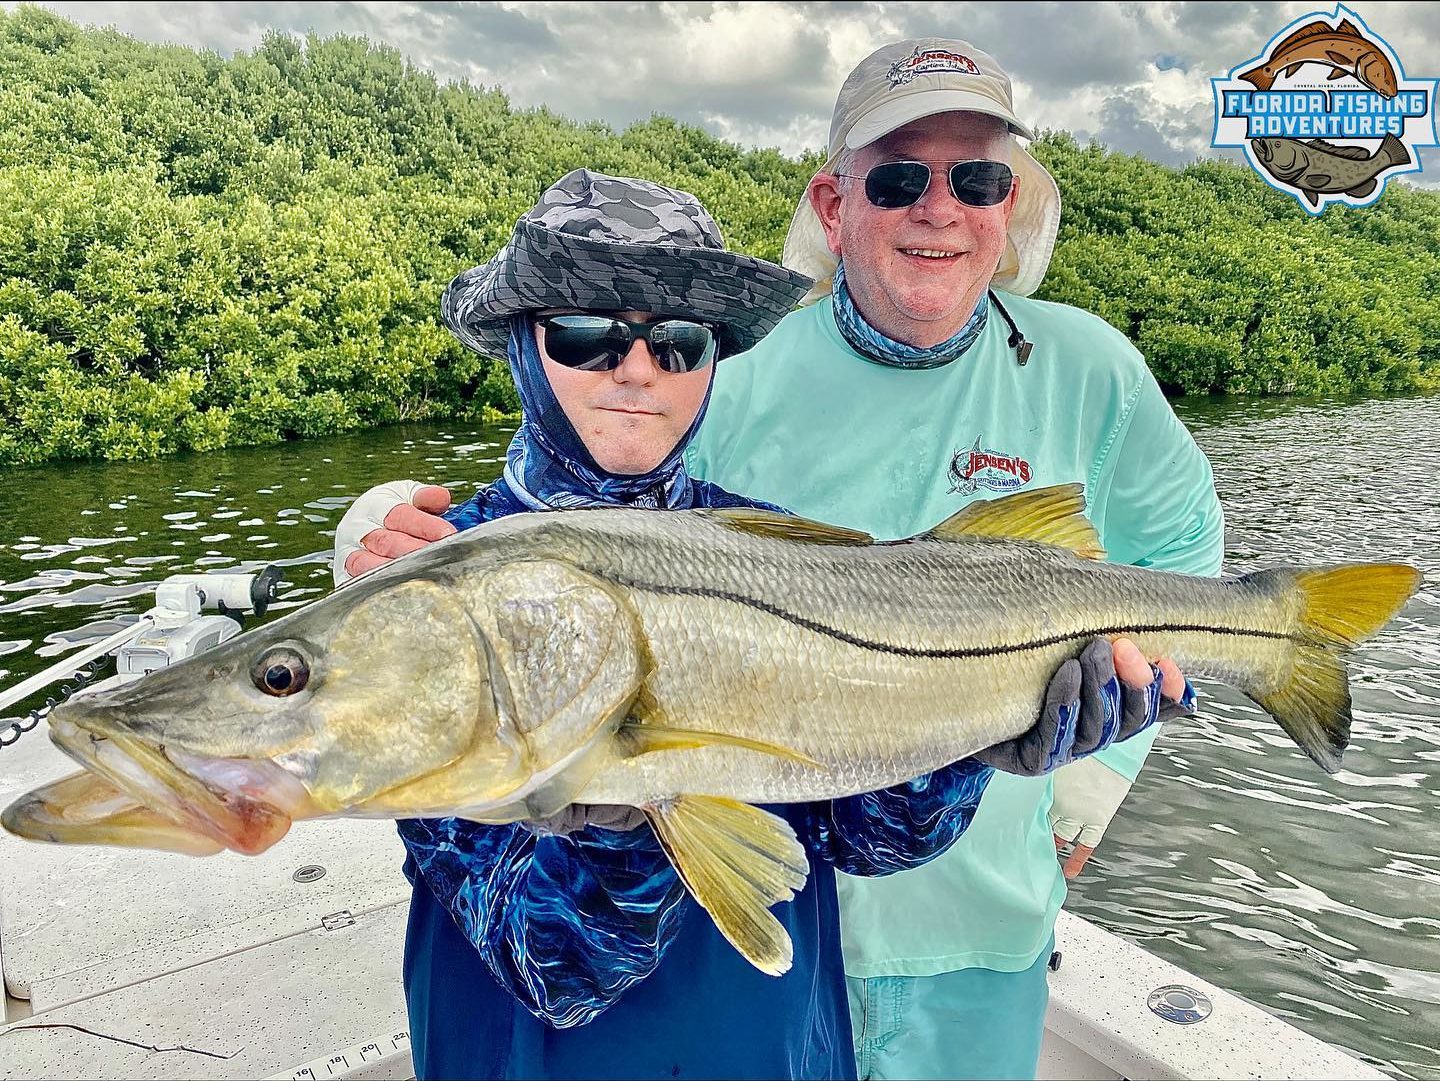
column 898, row 184
column 598, row 343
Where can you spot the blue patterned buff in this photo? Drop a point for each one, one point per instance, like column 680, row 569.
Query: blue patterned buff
column 875, row 346
column 548, row 466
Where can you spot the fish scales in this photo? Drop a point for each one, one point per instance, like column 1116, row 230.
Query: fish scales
column 883, row 662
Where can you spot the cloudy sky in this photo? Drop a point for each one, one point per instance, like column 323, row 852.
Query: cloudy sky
column 1134, row 75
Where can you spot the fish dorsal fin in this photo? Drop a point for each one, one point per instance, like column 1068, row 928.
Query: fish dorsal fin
column 737, row 861
column 1355, row 153
column 768, row 523
column 1054, row 515
column 1311, row 30
column 643, row 738
column 1347, row 27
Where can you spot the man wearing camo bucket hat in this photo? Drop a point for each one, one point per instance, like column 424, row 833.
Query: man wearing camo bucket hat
column 569, row 948
column 908, row 387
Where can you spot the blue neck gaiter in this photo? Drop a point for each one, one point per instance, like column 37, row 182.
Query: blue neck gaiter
column 548, row 466
column 874, row 346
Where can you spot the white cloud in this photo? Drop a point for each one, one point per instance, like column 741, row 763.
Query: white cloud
column 1135, row 76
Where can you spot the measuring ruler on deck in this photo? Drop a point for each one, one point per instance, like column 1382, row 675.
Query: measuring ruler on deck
column 385, row 1059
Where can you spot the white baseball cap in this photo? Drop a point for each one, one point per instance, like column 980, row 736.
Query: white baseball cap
column 915, row 78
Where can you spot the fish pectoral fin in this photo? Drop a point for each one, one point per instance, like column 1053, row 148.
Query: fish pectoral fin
column 769, row 523
column 737, row 861
column 1337, row 58
column 642, row 738
column 1319, row 180
column 1053, row 515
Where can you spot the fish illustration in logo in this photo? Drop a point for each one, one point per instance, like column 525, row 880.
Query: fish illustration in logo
column 1344, row 48
column 982, row 468
column 1316, row 167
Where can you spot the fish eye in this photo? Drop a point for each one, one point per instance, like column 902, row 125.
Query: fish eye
column 280, row 672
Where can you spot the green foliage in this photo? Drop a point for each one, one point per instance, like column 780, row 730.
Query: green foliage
column 1227, row 286
column 198, row 252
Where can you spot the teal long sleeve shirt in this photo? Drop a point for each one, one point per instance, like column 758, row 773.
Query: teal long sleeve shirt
column 803, row 421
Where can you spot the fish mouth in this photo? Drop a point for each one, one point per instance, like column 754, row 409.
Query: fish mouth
column 245, row 805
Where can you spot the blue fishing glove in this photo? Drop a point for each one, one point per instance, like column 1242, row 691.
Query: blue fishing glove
column 1087, row 708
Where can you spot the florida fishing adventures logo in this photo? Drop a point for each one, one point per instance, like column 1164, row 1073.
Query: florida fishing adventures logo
column 1325, row 112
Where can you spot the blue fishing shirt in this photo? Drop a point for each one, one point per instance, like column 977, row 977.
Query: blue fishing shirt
column 533, row 955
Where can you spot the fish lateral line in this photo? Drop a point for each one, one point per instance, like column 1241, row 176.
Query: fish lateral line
column 953, row 653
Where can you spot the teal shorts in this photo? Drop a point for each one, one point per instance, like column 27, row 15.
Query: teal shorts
column 972, row 1023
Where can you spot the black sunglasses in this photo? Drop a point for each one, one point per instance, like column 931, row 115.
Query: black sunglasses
column 598, row 343
column 894, row 185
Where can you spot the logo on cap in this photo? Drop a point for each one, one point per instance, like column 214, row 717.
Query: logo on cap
column 1325, row 112
column 931, row 62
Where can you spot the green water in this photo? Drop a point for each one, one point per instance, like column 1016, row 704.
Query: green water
column 1316, row 897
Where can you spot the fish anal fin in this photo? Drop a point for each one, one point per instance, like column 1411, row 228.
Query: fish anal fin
column 1336, row 73
column 1359, row 191
column 1053, row 515
column 768, row 523
column 642, row 737
column 736, row 861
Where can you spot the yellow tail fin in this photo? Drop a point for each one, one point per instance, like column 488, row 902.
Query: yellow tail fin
column 1341, row 606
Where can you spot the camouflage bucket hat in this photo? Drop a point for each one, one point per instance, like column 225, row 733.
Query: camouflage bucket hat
column 608, row 243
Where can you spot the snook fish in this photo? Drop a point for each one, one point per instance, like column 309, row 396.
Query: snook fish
column 1315, row 166
column 688, row 663
column 1343, row 48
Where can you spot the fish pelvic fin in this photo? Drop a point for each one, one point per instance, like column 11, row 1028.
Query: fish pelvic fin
column 768, row 523
column 1340, row 607
column 737, row 861
column 642, row 737
column 1053, row 515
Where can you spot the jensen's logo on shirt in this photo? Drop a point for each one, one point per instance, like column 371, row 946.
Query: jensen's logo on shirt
column 980, row 467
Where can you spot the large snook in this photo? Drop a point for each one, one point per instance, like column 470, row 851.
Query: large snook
column 686, row 663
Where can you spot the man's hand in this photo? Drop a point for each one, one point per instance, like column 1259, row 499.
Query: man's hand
column 579, row 816
column 387, row 522
column 1109, row 693
column 1087, row 795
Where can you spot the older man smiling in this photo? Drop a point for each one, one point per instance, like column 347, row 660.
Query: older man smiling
column 905, row 389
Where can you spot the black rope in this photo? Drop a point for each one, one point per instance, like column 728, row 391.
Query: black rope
column 11, row 733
